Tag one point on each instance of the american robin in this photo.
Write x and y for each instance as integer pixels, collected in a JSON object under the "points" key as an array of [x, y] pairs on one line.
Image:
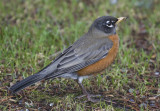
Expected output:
{"points": [[88, 56]]}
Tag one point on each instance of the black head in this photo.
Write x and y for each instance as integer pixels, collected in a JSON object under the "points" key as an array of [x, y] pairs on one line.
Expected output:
{"points": [[106, 24]]}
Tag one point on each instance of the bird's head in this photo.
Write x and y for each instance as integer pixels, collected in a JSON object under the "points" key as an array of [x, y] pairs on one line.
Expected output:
{"points": [[107, 24]]}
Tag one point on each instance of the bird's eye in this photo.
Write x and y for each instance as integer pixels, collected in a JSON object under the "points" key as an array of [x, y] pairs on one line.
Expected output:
{"points": [[109, 24]]}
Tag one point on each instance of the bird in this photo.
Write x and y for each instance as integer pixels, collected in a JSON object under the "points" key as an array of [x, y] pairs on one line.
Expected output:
{"points": [[91, 54]]}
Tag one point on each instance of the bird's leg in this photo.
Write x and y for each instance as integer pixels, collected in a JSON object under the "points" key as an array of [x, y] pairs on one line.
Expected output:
{"points": [[89, 96]]}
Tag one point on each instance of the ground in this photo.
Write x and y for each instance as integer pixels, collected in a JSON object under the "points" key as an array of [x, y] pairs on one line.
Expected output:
{"points": [[33, 32]]}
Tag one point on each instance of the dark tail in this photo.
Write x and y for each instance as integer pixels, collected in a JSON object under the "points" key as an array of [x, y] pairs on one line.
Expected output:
{"points": [[33, 79], [26, 82]]}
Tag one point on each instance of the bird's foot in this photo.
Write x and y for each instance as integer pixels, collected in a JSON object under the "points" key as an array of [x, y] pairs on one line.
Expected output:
{"points": [[90, 97]]}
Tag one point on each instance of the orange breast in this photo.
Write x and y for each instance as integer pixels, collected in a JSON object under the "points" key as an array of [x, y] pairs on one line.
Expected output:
{"points": [[103, 63]]}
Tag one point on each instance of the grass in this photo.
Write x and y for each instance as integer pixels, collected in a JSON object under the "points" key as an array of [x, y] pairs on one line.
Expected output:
{"points": [[31, 31]]}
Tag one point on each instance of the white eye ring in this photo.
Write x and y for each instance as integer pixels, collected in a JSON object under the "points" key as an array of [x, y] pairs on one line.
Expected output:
{"points": [[107, 21], [109, 25]]}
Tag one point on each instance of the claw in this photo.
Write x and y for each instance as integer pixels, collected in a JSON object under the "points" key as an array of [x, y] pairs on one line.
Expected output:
{"points": [[90, 97]]}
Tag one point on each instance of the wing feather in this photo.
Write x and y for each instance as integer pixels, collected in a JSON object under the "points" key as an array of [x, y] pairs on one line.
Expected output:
{"points": [[80, 59], [76, 58]]}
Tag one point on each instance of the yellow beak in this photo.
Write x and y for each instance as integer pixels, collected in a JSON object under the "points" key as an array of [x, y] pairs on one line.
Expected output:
{"points": [[120, 19]]}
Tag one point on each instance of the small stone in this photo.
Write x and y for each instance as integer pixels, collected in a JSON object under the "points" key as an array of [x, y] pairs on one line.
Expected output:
{"points": [[131, 100], [131, 90], [51, 104], [156, 73]]}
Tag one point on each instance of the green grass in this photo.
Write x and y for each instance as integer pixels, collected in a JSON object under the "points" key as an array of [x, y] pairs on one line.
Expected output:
{"points": [[31, 31]]}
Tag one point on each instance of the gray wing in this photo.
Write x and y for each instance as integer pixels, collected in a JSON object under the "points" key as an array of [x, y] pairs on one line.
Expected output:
{"points": [[80, 56]]}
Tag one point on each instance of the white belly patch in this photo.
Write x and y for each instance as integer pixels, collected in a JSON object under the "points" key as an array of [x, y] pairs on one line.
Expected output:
{"points": [[73, 76]]}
